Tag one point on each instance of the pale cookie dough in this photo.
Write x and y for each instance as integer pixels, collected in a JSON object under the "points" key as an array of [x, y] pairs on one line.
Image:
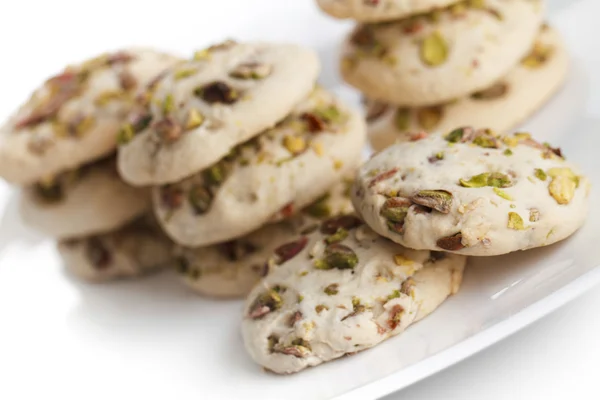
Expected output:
{"points": [[231, 269], [472, 192], [74, 117], [206, 106], [501, 107], [379, 10], [91, 199], [136, 249], [341, 290], [283, 169], [443, 55]]}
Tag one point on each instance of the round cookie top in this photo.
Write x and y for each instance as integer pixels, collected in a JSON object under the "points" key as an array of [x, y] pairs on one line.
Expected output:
{"points": [[88, 200], [339, 290], [204, 107], [232, 268], [267, 178], [500, 107], [472, 192], [379, 10], [439, 56], [74, 117], [138, 248]]}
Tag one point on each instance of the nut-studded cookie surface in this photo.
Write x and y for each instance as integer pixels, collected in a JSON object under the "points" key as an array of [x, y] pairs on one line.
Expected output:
{"points": [[344, 289], [500, 107], [472, 192], [379, 10], [267, 178], [204, 107], [74, 117], [232, 268], [133, 250], [443, 55], [87, 200]]}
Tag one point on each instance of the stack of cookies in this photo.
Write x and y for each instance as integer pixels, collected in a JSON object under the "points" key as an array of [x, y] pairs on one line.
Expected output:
{"points": [[437, 64], [60, 148], [234, 143]]}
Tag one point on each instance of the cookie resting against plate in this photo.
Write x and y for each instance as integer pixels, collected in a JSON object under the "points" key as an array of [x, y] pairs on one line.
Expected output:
{"points": [[342, 289], [138, 248], [472, 192], [84, 201], [74, 117]]}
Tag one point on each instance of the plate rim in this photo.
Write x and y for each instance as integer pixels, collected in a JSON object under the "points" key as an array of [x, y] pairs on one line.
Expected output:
{"points": [[476, 343]]}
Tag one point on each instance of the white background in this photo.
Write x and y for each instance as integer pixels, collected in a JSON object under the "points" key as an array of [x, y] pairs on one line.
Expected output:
{"points": [[556, 358]]}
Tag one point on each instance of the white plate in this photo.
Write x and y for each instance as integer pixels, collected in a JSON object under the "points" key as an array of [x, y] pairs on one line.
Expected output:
{"points": [[153, 339]]}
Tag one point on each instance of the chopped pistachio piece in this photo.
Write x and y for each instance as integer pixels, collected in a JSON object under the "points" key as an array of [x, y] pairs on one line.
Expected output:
{"points": [[515, 222], [477, 181], [265, 303], [217, 92], [540, 174], [126, 134], [340, 256], [502, 194], [168, 104], [566, 172], [562, 189], [215, 174], [320, 308], [534, 215], [200, 199], [287, 251], [538, 56], [202, 55], [194, 119], [434, 50], [508, 152], [439, 200], [486, 141], [494, 179], [251, 70], [337, 237], [400, 260], [184, 73], [456, 135], [320, 208], [395, 294], [395, 209], [294, 144], [451, 243], [332, 289]]}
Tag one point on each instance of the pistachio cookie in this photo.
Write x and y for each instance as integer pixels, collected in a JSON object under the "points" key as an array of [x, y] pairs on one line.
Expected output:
{"points": [[231, 269], [283, 169], [88, 200], [443, 55], [502, 106], [206, 106], [340, 294], [379, 10], [138, 248], [75, 116], [472, 192]]}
